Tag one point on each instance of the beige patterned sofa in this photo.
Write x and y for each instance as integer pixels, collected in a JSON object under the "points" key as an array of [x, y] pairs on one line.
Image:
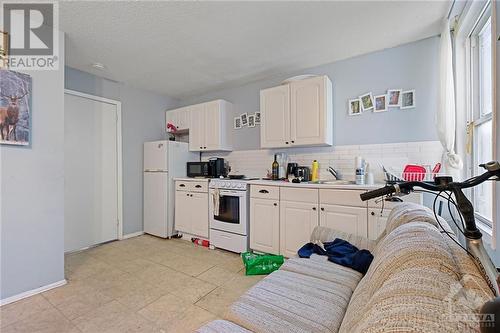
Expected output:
{"points": [[419, 281]]}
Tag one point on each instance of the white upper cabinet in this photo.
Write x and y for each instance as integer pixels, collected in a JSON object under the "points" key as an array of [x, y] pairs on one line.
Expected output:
{"points": [[311, 121], [297, 114], [180, 118], [209, 124], [275, 116]]}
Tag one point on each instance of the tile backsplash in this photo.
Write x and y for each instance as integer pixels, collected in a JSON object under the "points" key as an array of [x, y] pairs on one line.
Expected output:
{"points": [[256, 163]]}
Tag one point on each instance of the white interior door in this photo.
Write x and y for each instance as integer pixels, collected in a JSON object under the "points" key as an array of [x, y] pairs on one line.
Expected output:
{"points": [[91, 172]]}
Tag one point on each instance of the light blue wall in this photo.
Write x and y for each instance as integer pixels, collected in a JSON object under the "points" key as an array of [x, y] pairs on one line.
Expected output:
{"points": [[411, 66], [142, 120], [32, 192]]}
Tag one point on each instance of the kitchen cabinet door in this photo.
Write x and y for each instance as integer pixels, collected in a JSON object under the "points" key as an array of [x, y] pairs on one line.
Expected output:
{"points": [[275, 117], [199, 214], [197, 130], [311, 121], [212, 126], [343, 218], [182, 212], [377, 221], [171, 116], [183, 118], [297, 221], [264, 225]]}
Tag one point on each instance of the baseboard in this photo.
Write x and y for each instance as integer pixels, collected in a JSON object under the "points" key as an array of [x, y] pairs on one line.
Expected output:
{"points": [[134, 234], [33, 292]]}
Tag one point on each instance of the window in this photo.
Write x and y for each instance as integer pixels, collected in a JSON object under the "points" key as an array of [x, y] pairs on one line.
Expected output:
{"points": [[480, 117]]}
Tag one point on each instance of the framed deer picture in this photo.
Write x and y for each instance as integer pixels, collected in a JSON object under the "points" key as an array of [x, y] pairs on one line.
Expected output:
{"points": [[15, 108]]}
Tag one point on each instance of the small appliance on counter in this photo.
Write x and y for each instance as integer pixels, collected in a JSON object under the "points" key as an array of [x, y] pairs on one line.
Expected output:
{"points": [[214, 168], [291, 169], [303, 174]]}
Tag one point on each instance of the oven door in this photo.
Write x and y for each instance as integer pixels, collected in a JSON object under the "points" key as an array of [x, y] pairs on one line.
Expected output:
{"points": [[232, 213]]}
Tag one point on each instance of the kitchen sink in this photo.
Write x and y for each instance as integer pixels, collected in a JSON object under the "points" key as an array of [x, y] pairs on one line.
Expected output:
{"points": [[336, 182]]}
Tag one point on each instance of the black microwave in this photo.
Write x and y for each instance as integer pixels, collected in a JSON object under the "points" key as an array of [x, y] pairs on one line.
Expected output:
{"points": [[198, 169], [214, 168]]}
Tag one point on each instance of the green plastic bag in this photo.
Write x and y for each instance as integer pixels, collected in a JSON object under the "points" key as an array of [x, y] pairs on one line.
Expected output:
{"points": [[260, 264]]}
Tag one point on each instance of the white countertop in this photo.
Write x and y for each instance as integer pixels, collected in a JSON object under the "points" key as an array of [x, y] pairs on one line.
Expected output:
{"points": [[191, 179], [315, 185]]}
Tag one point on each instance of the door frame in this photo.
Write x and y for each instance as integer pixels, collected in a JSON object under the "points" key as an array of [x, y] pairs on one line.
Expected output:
{"points": [[119, 158]]}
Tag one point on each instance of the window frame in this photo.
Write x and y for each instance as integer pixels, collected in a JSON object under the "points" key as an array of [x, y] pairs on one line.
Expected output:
{"points": [[475, 118]]}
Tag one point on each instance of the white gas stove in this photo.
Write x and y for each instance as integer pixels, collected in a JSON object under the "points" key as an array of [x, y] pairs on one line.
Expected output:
{"points": [[229, 214]]}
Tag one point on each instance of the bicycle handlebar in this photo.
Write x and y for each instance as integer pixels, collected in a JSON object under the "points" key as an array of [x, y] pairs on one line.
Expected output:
{"points": [[440, 184]]}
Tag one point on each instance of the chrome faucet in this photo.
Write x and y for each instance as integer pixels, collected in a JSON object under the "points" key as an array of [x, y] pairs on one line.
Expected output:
{"points": [[334, 173]]}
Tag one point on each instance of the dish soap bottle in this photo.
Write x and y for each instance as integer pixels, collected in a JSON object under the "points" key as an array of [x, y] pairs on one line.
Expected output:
{"points": [[315, 172], [275, 169]]}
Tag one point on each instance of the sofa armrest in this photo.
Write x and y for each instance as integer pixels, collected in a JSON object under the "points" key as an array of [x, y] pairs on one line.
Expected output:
{"points": [[325, 234]]}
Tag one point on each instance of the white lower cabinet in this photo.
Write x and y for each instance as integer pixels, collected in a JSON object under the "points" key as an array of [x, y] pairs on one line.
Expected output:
{"points": [[264, 225], [191, 208], [199, 218], [377, 220], [344, 218], [297, 221], [283, 218]]}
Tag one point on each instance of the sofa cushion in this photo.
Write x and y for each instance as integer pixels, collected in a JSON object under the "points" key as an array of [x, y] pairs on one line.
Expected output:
{"points": [[319, 267], [221, 326], [290, 302]]}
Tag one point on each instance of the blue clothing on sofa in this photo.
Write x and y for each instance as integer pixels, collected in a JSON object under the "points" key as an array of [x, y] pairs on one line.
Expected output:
{"points": [[340, 252]]}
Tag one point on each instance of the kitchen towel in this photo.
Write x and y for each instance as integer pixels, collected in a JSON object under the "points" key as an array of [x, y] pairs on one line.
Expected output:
{"points": [[340, 252], [216, 201]]}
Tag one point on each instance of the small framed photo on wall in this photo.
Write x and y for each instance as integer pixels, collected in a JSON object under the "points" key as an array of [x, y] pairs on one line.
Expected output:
{"points": [[257, 118], [244, 119], [366, 101], [237, 122], [354, 107], [407, 99], [251, 120], [394, 98], [380, 103]]}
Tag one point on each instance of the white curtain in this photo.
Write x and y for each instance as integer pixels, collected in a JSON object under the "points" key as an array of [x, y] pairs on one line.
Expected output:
{"points": [[446, 113]]}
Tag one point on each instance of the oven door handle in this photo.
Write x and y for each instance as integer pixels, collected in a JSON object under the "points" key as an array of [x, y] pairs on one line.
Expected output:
{"points": [[232, 193]]}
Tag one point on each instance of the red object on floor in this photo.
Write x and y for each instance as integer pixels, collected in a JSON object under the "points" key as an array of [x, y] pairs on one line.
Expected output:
{"points": [[199, 241]]}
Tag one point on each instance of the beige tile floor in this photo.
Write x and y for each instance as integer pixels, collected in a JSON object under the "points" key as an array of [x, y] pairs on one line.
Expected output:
{"points": [[143, 284]]}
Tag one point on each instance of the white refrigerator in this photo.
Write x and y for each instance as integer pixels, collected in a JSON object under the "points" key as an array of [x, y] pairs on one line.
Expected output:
{"points": [[163, 161]]}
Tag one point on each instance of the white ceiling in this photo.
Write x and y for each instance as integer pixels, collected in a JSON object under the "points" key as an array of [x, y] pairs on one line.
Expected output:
{"points": [[181, 49]]}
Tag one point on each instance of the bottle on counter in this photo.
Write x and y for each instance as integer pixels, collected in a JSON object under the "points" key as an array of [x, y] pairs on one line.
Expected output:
{"points": [[275, 169], [315, 172], [360, 170]]}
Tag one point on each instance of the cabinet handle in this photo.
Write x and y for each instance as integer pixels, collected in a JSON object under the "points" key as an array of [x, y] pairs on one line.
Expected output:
{"points": [[191, 195], [293, 141], [286, 142], [373, 213], [198, 186], [314, 208], [322, 209], [204, 147], [187, 194], [263, 191], [275, 204], [182, 185], [201, 147]]}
